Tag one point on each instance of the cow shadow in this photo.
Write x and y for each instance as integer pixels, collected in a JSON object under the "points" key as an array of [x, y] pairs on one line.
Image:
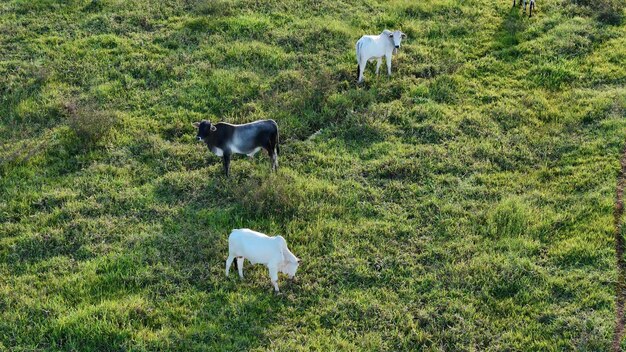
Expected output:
{"points": [[508, 35]]}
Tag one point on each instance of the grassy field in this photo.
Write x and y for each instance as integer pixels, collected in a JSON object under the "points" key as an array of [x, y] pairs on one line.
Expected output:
{"points": [[465, 203]]}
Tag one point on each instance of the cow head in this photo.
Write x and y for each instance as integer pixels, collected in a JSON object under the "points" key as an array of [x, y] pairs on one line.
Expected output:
{"points": [[290, 266], [204, 129], [397, 37]]}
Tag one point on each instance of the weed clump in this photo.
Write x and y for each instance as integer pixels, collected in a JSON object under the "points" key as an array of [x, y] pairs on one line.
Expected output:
{"points": [[280, 194], [211, 7], [89, 123], [510, 218], [607, 11], [610, 11]]}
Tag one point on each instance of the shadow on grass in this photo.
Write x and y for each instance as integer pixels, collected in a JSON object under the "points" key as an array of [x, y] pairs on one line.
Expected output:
{"points": [[620, 289], [507, 36]]}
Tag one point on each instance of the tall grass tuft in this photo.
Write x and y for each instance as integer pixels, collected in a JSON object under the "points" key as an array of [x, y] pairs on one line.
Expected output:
{"points": [[89, 123], [278, 195], [607, 11], [510, 218]]}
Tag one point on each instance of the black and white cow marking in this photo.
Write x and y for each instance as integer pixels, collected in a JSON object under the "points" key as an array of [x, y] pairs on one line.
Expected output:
{"points": [[224, 139]]}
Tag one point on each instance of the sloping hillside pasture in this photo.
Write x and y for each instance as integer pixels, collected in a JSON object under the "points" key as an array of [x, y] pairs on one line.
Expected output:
{"points": [[463, 204]]}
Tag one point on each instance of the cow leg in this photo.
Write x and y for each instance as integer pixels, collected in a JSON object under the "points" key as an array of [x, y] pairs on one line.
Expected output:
{"points": [[271, 152], [361, 70], [240, 266], [274, 277], [388, 57], [273, 159], [513, 3], [226, 160], [274, 151], [532, 6], [524, 1], [229, 262], [378, 63], [273, 156]]}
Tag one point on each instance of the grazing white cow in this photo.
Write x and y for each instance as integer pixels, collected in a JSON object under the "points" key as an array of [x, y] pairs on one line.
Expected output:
{"points": [[261, 249], [375, 47]]}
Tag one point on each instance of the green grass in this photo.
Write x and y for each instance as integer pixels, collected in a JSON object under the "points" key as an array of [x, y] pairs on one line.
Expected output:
{"points": [[463, 204]]}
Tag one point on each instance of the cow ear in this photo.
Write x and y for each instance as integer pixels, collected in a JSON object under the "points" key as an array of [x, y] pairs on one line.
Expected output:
{"points": [[391, 35], [403, 35], [298, 260], [196, 124], [213, 128]]}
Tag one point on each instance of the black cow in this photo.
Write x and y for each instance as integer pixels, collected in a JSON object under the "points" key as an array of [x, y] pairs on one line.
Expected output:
{"points": [[224, 139]]}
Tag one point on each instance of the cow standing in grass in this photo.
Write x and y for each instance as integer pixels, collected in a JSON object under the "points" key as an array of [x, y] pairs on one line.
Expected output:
{"points": [[224, 139], [371, 47]]}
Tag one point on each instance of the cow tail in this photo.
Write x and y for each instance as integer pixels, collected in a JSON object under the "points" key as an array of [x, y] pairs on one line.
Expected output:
{"points": [[275, 139]]}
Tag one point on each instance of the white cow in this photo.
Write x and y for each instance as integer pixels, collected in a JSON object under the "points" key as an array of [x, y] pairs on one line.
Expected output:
{"points": [[375, 47], [262, 249]]}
